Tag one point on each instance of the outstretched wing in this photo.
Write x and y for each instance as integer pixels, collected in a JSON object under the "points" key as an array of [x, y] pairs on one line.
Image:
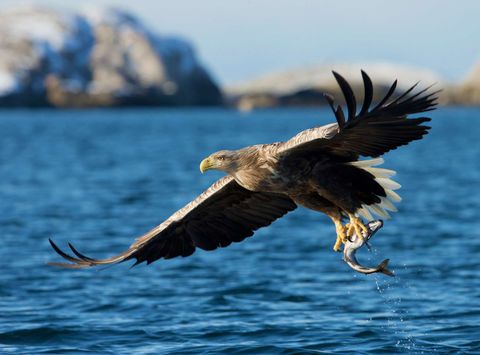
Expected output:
{"points": [[224, 213], [372, 131]]}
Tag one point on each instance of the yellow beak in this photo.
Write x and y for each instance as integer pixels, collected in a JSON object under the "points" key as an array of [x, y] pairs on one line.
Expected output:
{"points": [[206, 164]]}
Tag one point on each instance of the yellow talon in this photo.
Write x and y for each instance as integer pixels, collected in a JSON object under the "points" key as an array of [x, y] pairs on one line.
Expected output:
{"points": [[355, 226]]}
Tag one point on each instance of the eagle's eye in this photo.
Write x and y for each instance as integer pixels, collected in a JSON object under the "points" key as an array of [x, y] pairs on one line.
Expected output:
{"points": [[221, 157]]}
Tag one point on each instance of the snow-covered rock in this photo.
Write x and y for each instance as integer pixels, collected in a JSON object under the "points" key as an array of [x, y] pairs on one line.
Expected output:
{"points": [[101, 57]]}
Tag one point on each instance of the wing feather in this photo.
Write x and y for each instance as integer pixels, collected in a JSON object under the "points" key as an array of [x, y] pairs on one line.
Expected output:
{"points": [[347, 94], [374, 131], [224, 213], [390, 93], [368, 94]]}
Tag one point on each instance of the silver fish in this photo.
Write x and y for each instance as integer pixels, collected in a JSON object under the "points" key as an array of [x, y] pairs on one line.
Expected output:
{"points": [[355, 242]]}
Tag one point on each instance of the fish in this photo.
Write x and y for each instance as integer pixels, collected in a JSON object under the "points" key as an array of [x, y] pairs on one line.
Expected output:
{"points": [[355, 242]]}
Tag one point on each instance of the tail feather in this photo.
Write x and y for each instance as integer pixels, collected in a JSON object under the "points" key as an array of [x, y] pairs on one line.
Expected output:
{"points": [[379, 211], [383, 268], [387, 204], [367, 163], [383, 178], [393, 196], [388, 183], [380, 172], [365, 213]]}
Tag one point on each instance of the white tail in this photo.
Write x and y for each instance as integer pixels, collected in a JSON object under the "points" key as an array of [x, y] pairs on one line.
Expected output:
{"points": [[382, 176]]}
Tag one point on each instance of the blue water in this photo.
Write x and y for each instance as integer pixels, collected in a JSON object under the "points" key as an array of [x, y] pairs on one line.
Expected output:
{"points": [[100, 178]]}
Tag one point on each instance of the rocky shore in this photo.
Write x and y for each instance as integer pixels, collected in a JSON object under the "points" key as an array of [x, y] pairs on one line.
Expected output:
{"points": [[465, 93]]}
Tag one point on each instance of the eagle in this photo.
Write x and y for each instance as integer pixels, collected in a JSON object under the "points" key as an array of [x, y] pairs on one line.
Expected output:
{"points": [[331, 169]]}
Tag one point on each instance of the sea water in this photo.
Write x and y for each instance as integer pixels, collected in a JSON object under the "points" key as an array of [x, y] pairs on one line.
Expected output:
{"points": [[100, 178]]}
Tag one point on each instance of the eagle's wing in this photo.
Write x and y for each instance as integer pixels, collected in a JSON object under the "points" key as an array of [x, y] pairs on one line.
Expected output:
{"points": [[370, 132], [224, 213]]}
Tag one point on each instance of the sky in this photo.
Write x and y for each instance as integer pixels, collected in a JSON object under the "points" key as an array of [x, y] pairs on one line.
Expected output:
{"points": [[241, 39]]}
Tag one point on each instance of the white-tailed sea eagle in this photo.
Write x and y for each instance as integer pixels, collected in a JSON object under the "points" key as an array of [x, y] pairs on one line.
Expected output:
{"points": [[320, 168]]}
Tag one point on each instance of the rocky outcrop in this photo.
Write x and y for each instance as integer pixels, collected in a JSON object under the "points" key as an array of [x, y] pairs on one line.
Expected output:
{"points": [[306, 86], [100, 58], [467, 92]]}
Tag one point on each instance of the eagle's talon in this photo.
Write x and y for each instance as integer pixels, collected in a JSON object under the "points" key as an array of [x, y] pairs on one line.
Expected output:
{"points": [[355, 226]]}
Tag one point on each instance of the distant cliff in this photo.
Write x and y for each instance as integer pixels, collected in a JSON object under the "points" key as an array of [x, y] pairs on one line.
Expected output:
{"points": [[306, 86], [467, 92], [101, 58]]}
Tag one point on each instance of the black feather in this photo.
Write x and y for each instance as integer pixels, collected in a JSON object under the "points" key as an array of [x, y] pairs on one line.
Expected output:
{"points": [[62, 253], [348, 94], [387, 96], [331, 101], [405, 93], [338, 111], [80, 255], [368, 95], [201, 239], [340, 116]]}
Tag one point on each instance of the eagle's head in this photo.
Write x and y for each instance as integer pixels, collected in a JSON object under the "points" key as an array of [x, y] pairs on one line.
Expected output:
{"points": [[224, 160]]}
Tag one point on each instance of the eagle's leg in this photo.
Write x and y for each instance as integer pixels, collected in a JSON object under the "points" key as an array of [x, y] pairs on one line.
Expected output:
{"points": [[339, 228], [355, 226], [341, 236], [314, 201]]}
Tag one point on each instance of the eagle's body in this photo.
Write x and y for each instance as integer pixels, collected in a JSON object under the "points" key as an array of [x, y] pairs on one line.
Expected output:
{"points": [[320, 168]]}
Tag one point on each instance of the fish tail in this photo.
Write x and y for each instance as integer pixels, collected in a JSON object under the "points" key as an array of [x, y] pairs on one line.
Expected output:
{"points": [[383, 268]]}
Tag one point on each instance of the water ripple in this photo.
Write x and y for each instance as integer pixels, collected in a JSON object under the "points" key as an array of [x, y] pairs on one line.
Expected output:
{"points": [[100, 178]]}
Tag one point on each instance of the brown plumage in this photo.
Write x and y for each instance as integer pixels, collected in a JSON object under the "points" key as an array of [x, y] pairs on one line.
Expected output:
{"points": [[319, 168]]}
